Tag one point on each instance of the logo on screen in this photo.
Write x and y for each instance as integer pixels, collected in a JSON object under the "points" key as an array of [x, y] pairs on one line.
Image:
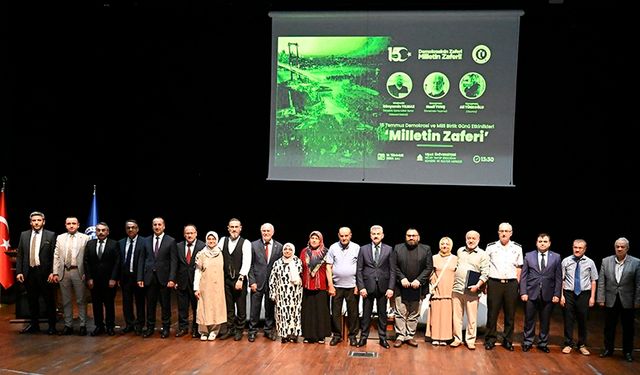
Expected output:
{"points": [[398, 54]]}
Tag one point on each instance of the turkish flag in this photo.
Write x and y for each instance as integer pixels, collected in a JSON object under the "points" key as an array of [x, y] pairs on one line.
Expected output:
{"points": [[6, 274]]}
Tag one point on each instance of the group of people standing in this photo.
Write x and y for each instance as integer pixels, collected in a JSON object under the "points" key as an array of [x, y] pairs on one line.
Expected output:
{"points": [[304, 295]]}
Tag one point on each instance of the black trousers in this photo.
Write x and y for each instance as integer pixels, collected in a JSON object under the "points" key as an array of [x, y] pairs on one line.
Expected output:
{"points": [[576, 309], [186, 299], [157, 291], [256, 307], [543, 310], [37, 285], [501, 297], [104, 307], [377, 296], [612, 315], [236, 301], [344, 294], [133, 295]]}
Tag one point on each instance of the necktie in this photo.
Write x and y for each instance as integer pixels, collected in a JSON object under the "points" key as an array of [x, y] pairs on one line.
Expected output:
{"points": [[542, 263], [266, 251], [376, 254], [100, 249], [157, 246], [129, 255], [68, 261], [188, 253], [32, 250], [576, 278]]}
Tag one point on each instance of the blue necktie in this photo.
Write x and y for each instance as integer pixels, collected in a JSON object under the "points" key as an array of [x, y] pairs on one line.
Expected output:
{"points": [[576, 278]]}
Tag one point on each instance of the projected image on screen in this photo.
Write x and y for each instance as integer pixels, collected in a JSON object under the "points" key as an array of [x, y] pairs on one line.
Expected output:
{"points": [[327, 103], [372, 97]]}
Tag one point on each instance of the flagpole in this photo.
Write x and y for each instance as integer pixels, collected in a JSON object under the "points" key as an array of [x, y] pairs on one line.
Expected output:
{"points": [[4, 184]]}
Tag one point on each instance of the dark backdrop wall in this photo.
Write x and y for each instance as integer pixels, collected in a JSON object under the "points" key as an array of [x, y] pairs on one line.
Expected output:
{"points": [[92, 84]]}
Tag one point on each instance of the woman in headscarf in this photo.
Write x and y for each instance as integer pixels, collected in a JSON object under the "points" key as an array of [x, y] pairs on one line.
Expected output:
{"points": [[285, 289], [318, 285], [440, 318], [208, 285]]}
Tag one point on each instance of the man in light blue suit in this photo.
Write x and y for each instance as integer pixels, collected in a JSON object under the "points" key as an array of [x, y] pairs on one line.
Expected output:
{"points": [[540, 290]]}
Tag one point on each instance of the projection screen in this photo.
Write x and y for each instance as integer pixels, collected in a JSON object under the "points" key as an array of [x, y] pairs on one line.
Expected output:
{"points": [[394, 97]]}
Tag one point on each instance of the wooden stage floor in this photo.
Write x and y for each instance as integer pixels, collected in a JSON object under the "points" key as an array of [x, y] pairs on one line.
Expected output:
{"points": [[130, 354]]}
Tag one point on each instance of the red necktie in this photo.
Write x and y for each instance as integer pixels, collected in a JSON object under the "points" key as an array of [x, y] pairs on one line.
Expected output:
{"points": [[189, 253], [266, 251]]}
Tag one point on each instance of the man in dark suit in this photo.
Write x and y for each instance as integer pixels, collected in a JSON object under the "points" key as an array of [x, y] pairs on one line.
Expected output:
{"points": [[413, 264], [34, 268], [130, 249], [540, 289], [376, 280], [102, 270], [264, 252], [157, 273], [187, 251], [619, 293]]}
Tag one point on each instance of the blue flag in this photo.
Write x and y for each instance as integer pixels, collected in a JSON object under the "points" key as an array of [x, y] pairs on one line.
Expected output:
{"points": [[93, 217]]}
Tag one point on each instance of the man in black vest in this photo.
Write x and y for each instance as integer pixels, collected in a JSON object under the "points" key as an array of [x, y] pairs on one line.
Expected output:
{"points": [[237, 262]]}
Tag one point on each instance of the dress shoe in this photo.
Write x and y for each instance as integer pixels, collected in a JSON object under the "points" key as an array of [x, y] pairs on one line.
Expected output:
{"points": [[237, 336], [628, 357], [52, 331], [82, 331], [398, 343], [252, 337], [111, 332], [30, 328], [284, 340], [455, 343], [164, 333], [353, 341], [412, 342], [508, 345], [543, 349], [335, 340], [293, 339], [489, 345], [526, 347], [182, 332], [97, 331], [383, 343], [138, 331], [195, 334], [66, 331], [363, 342], [225, 335], [147, 332], [606, 353], [127, 329]]}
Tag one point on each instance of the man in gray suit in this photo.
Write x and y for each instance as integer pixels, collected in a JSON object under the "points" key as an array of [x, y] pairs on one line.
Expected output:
{"points": [[34, 265], [264, 252], [619, 291], [375, 279]]}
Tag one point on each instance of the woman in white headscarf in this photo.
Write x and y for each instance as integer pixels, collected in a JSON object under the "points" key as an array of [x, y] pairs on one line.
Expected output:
{"points": [[285, 288], [208, 285]]}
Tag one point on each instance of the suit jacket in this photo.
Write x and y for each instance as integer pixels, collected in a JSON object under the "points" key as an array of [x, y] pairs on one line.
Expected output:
{"points": [[550, 278], [629, 286], [260, 268], [46, 251], [369, 274], [105, 268], [125, 275], [400, 259], [165, 264], [186, 272], [61, 252]]}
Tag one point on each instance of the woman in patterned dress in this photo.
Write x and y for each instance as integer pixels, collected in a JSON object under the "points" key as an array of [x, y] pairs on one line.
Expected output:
{"points": [[285, 289]]}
